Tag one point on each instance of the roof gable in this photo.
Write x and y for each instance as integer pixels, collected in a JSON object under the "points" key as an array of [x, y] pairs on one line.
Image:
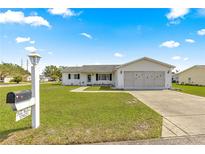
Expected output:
{"points": [[148, 59]]}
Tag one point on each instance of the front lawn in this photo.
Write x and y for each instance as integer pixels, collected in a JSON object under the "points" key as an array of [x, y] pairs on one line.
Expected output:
{"points": [[77, 118], [195, 90]]}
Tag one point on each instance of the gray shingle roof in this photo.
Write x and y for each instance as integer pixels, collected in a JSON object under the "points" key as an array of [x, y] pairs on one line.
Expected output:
{"points": [[90, 68], [195, 66], [108, 68], [200, 66]]}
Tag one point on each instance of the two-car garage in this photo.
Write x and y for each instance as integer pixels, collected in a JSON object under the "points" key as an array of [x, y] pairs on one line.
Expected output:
{"points": [[144, 73], [144, 79]]}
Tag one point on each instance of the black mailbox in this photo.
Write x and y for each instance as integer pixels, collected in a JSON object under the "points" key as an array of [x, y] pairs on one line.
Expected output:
{"points": [[19, 96]]}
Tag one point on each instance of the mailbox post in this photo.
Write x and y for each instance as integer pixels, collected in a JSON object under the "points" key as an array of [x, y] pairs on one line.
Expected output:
{"points": [[35, 110]]}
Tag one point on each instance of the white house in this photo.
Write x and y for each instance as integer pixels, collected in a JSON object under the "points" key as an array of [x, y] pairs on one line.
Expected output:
{"points": [[144, 73], [43, 78], [7, 79]]}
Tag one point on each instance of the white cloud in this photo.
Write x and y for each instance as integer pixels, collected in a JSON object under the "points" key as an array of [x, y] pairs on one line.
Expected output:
{"points": [[189, 40], [50, 53], [86, 35], [179, 58], [176, 58], [176, 14], [32, 42], [117, 54], [186, 58], [201, 32], [170, 44], [22, 39], [19, 18], [174, 22], [63, 11], [30, 49]]}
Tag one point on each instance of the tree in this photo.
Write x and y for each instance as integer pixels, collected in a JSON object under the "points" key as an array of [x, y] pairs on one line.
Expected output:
{"points": [[9, 69], [53, 72], [17, 79]]}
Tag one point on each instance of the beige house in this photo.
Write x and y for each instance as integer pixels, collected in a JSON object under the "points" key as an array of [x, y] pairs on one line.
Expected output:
{"points": [[194, 75]]}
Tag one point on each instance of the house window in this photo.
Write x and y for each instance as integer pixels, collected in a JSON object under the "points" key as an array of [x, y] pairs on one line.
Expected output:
{"points": [[69, 77], [189, 80], [104, 77], [76, 76]]}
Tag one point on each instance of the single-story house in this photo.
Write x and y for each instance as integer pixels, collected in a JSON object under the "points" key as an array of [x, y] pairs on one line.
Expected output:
{"points": [[43, 78], [7, 79], [28, 78], [194, 75], [144, 73]]}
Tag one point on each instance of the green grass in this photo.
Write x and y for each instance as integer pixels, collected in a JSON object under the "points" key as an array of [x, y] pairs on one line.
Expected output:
{"points": [[77, 118], [97, 88], [195, 90]]}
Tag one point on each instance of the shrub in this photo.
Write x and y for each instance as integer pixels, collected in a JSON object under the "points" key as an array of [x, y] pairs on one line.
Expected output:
{"points": [[17, 79]]}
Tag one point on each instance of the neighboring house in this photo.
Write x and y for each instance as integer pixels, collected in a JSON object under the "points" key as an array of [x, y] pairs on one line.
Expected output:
{"points": [[144, 73], [194, 75], [43, 78], [7, 79], [28, 78]]}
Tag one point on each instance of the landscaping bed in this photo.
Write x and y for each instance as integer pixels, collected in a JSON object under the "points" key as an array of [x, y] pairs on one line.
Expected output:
{"points": [[98, 88]]}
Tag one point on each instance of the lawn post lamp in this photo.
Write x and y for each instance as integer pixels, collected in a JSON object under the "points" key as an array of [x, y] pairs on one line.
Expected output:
{"points": [[35, 110]]}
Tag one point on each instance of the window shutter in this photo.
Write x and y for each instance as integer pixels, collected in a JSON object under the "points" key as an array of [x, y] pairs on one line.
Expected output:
{"points": [[110, 77], [68, 76], [96, 77], [78, 76]]}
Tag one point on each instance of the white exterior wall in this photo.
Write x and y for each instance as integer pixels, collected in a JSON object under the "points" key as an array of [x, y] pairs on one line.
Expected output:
{"points": [[143, 65], [72, 81], [7, 79], [83, 79]]}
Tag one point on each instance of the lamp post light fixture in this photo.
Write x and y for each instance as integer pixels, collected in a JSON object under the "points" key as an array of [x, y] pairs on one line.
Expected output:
{"points": [[34, 58], [35, 110]]}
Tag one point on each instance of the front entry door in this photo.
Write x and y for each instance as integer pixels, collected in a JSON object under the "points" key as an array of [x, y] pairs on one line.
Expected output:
{"points": [[89, 78]]}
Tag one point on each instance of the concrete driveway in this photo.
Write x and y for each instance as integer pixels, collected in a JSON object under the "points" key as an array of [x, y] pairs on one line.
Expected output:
{"points": [[183, 114]]}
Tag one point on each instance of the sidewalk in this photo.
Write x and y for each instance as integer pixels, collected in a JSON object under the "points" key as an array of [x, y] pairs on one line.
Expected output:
{"points": [[183, 140], [82, 89], [13, 85]]}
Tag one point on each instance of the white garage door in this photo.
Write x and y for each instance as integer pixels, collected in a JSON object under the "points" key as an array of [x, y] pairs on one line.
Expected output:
{"points": [[144, 79]]}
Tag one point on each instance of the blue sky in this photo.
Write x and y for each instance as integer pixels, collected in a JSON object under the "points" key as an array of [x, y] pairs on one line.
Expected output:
{"points": [[103, 36]]}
